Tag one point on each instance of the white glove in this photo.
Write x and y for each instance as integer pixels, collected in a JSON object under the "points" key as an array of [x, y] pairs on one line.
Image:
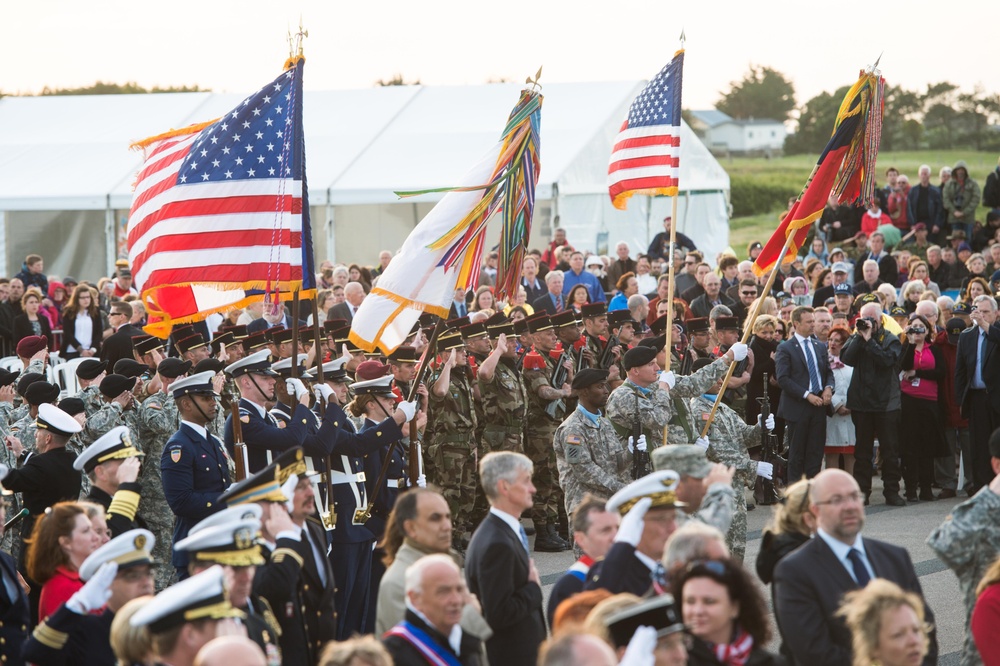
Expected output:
{"points": [[769, 423], [295, 387], [667, 377], [632, 445], [640, 649], [765, 470], [323, 393], [421, 481], [409, 409], [702, 442], [96, 592], [630, 529], [288, 490], [739, 351]]}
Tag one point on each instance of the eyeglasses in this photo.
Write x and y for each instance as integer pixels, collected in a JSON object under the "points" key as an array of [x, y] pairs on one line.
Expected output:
{"points": [[712, 567], [748, 293], [840, 500]]}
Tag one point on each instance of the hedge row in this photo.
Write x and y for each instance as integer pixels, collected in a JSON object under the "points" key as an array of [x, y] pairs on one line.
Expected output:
{"points": [[753, 195]]}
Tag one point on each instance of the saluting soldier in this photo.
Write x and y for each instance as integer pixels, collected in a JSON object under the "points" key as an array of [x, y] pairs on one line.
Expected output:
{"points": [[504, 398], [233, 545], [119, 408], [112, 463], [89, 375], [194, 466], [451, 429], [36, 394], [540, 426], [590, 456], [728, 440]]}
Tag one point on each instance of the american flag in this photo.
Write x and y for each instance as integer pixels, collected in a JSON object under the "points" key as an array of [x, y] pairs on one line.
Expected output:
{"points": [[646, 155], [220, 211]]}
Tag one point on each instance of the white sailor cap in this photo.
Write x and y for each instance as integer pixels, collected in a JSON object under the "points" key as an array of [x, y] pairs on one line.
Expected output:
{"points": [[284, 367], [56, 421], [380, 386], [258, 363], [661, 487], [199, 383], [233, 513], [232, 544], [202, 596], [116, 444], [129, 549], [333, 371]]}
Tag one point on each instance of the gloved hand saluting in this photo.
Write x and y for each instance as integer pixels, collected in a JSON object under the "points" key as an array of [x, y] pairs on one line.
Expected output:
{"points": [[640, 649], [630, 530], [96, 592], [640, 445], [765, 470]]}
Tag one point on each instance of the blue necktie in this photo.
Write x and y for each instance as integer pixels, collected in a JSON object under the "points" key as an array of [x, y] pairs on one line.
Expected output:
{"points": [[813, 373], [860, 570], [524, 539]]}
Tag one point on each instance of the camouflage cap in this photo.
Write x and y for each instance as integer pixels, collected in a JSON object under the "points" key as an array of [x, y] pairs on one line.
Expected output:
{"points": [[685, 459]]}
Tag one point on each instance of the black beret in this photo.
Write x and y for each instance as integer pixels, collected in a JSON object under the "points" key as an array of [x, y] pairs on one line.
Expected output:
{"points": [[72, 406], [206, 364], [26, 380], [589, 377], [40, 393], [638, 356], [129, 367], [113, 386], [7, 377], [173, 367], [90, 368], [657, 343]]}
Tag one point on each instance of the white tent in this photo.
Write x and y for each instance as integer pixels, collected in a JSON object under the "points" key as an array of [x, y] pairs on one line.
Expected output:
{"points": [[66, 171]]}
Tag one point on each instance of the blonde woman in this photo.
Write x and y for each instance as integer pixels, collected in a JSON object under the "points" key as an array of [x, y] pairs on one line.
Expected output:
{"points": [[132, 645], [887, 625]]}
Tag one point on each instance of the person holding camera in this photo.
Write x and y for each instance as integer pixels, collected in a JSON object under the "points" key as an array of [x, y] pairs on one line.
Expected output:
{"points": [[874, 400]]}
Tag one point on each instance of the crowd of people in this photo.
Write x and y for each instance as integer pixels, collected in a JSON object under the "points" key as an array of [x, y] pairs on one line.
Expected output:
{"points": [[257, 489]]}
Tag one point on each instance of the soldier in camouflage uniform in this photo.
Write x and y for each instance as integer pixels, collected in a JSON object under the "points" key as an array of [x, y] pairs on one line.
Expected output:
{"points": [[451, 449], [158, 420], [595, 326], [968, 542], [659, 397], [502, 394], [38, 393], [728, 439], [706, 488], [589, 455], [89, 374], [477, 348], [119, 409], [539, 369]]}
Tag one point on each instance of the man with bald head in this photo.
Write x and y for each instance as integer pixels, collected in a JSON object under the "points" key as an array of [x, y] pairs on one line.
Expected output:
{"points": [[810, 583], [230, 651], [354, 294]]}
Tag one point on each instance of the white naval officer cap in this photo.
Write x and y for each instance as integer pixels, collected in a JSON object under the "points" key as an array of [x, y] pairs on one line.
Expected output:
{"points": [[380, 386], [284, 367], [232, 544], [116, 444], [258, 363], [128, 549], [56, 421], [661, 487], [197, 383], [202, 596]]}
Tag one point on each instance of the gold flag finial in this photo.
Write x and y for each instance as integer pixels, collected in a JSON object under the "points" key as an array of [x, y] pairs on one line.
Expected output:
{"points": [[533, 82]]}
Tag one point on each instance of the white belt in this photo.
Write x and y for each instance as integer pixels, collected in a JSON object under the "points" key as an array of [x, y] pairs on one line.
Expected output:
{"points": [[337, 477], [395, 483]]}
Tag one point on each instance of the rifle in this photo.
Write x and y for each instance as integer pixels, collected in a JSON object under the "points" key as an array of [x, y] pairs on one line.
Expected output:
{"points": [[607, 357], [765, 491], [557, 379], [239, 447], [414, 452], [580, 362], [640, 459]]}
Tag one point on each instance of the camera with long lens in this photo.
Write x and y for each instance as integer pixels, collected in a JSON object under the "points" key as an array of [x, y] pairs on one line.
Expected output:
{"points": [[863, 324]]}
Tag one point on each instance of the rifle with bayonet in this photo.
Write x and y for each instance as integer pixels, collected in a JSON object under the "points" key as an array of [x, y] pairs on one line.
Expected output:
{"points": [[640, 459], [765, 491], [558, 378], [242, 463], [607, 355]]}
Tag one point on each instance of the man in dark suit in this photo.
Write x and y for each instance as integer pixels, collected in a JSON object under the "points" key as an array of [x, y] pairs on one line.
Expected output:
{"points": [[803, 369], [552, 301], [354, 294], [977, 366], [810, 583], [702, 305], [497, 565], [888, 270], [119, 344]]}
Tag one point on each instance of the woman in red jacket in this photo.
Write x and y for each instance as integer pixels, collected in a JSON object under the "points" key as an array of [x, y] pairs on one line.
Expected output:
{"points": [[63, 537]]}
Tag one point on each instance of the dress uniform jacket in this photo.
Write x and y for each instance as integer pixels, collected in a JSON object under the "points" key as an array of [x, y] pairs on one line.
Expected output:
{"points": [[43, 480], [66, 637], [620, 571], [279, 581], [123, 517], [15, 614], [195, 472], [394, 483], [317, 589], [262, 626]]}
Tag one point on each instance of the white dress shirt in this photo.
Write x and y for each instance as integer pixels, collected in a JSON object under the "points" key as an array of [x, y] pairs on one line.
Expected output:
{"points": [[841, 549]]}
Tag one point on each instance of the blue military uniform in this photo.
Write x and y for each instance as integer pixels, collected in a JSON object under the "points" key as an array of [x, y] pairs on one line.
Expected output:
{"points": [[15, 612]]}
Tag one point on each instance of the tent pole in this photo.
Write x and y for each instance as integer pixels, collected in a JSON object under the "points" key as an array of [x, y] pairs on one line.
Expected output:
{"points": [[331, 239], [110, 237]]}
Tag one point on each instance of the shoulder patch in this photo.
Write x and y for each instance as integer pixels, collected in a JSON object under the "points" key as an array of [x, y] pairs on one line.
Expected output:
{"points": [[573, 439], [245, 418], [175, 455], [154, 405], [574, 450]]}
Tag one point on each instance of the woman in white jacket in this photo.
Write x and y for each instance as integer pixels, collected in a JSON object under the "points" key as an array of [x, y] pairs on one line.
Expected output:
{"points": [[839, 427]]}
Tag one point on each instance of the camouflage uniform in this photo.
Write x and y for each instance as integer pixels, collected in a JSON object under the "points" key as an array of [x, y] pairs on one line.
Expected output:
{"points": [[504, 409], [158, 420], [968, 542], [18, 413], [730, 437], [6, 410], [538, 446], [24, 429], [590, 458], [451, 450], [92, 399], [717, 508]]}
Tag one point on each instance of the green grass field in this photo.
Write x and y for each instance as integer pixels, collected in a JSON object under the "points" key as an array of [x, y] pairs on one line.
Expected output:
{"points": [[791, 173]]}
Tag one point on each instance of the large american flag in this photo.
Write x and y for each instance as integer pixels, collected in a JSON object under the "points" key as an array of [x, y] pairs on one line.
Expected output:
{"points": [[220, 212], [646, 155]]}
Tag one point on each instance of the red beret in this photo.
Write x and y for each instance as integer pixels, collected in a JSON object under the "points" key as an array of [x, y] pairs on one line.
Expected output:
{"points": [[31, 345], [369, 370]]}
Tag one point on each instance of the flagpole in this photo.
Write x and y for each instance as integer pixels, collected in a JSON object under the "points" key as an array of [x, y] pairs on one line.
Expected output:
{"points": [[668, 345], [748, 329]]}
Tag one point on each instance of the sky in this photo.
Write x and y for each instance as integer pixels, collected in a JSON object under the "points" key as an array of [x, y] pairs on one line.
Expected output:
{"points": [[232, 46]]}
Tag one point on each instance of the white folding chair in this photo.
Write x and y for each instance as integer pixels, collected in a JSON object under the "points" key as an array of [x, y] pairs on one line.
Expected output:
{"points": [[64, 376], [11, 364]]}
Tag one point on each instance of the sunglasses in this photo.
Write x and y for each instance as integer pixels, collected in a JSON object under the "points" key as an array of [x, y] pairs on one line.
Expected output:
{"points": [[712, 567]]}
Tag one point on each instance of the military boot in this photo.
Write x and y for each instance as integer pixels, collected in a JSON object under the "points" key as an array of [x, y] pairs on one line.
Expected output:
{"points": [[546, 540]]}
